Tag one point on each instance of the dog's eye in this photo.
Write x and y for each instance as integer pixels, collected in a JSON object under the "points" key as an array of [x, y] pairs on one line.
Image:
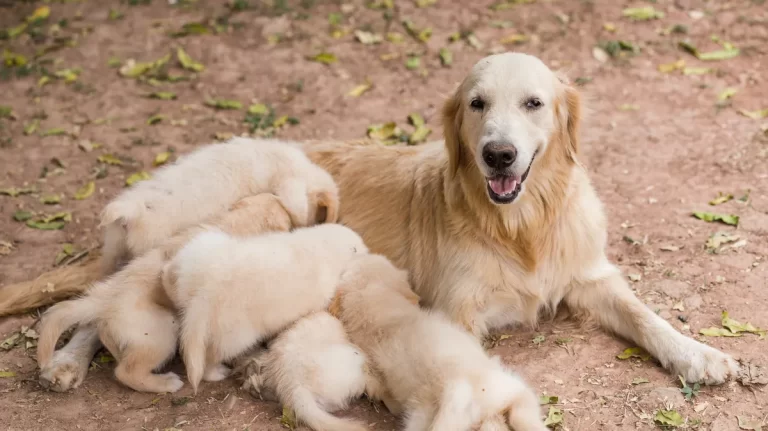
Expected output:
{"points": [[477, 104], [533, 103]]}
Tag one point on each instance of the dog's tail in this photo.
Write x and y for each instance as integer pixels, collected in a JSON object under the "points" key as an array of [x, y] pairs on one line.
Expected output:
{"points": [[194, 339], [61, 317], [309, 411], [116, 218]]}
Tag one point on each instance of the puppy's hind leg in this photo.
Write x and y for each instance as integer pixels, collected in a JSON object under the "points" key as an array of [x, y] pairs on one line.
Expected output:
{"points": [[418, 419], [69, 365]]}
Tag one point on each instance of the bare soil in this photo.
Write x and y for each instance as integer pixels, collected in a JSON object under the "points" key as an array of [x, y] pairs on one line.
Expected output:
{"points": [[659, 146]]}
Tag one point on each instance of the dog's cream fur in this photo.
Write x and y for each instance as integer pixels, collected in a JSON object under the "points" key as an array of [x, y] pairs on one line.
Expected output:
{"points": [[234, 293], [435, 374], [487, 265], [206, 182], [130, 310], [312, 368]]}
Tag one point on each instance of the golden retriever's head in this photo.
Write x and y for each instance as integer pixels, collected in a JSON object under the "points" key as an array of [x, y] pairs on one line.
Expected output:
{"points": [[507, 114]]}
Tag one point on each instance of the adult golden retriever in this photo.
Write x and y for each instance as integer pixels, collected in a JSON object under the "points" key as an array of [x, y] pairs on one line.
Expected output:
{"points": [[498, 223]]}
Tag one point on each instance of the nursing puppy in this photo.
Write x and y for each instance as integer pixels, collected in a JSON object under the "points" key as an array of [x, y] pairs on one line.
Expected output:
{"points": [[312, 368], [435, 374], [207, 182], [134, 318], [233, 293]]}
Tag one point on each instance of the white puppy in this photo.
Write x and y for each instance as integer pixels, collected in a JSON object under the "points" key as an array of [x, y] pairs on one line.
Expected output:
{"points": [[130, 310], [434, 372], [234, 293], [312, 368], [206, 182]]}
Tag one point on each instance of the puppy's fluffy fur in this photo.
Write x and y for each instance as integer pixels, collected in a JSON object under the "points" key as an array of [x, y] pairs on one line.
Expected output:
{"points": [[234, 293], [207, 182], [312, 368], [130, 309], [434, 373]]}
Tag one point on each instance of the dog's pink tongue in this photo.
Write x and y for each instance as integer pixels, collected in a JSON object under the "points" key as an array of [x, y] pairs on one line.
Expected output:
{"points": [[502, 185]]}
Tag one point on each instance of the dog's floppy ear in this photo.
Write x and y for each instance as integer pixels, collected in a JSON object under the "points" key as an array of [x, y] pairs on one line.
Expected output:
{"points": [[572, 104], [452, 130], [327, 208]]}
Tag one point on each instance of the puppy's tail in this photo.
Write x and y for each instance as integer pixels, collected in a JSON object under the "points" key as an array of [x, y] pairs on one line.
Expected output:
{"points": [[116, 218], [61, 317], [455, 411], [309, 411], [194, 340], [508, 394]]}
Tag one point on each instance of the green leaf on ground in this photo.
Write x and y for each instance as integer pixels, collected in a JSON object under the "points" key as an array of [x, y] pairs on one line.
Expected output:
{"points": [[645, 13], [446, 57], [186, 61], [162, 95], [634, 352], [6, 374], [155, 119], [224, 104], [110, 159], [50, 199], [413, 63], [324, 57], [554, 417], [728, 219], [668, 418], [288, 419], [22, 215], [548, 399], [639, 381]]}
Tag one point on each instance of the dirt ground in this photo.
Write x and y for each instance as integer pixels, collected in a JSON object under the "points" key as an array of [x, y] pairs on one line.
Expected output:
{"points": [[659, 145]]}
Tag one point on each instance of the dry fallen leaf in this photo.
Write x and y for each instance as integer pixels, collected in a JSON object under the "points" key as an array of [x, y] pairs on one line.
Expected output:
{"points": [[85, 191], [634, 352], [135, 178], [360, 89]]}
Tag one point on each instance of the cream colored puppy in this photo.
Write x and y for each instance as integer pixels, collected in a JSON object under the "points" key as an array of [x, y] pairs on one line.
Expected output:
{"points": [[312, 368], [207, 182], [234, 293], [135, 320], [435, 374]]}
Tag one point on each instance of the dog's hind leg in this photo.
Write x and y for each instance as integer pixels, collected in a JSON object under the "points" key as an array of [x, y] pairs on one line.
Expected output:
{"points": [[69, 365]]}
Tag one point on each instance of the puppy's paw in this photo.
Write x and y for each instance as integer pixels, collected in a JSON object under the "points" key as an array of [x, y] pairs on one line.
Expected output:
{"points": [[705, 364], [171, 382], [215, 373], [66, 371]]}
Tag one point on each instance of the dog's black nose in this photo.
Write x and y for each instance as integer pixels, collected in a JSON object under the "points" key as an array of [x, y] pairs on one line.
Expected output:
{"points": [[499, 156]]}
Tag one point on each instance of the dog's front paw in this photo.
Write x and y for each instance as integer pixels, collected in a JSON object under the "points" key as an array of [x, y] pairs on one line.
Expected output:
{"points": [[704, 364], [65, 372]]}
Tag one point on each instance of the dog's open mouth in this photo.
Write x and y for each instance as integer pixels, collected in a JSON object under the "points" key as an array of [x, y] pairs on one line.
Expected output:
{"points": [[504, 189]]}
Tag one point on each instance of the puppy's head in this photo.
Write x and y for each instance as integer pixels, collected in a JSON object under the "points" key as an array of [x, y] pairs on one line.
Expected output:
{"points": [[504, 116], [323, 196]]}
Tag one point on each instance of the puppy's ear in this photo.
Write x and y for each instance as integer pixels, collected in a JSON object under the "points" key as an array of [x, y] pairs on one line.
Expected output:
{"points": [[327, 207], [452, 115]]}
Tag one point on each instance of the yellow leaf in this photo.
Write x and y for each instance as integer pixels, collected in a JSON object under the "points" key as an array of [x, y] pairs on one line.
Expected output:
{"points": [[671, 67], [514, 38], [324, 57], [634, 352], [696, 70], [162, 158], [419, 135], [14, 60], [755, 115], [85, 191], [68, 75], [135, 178], [187, 62], [384, 132], [41, 13], [110, 160], [642, 13], [609, 27], [258, 109], [727, 94], [367, 38], [360, 89]]}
